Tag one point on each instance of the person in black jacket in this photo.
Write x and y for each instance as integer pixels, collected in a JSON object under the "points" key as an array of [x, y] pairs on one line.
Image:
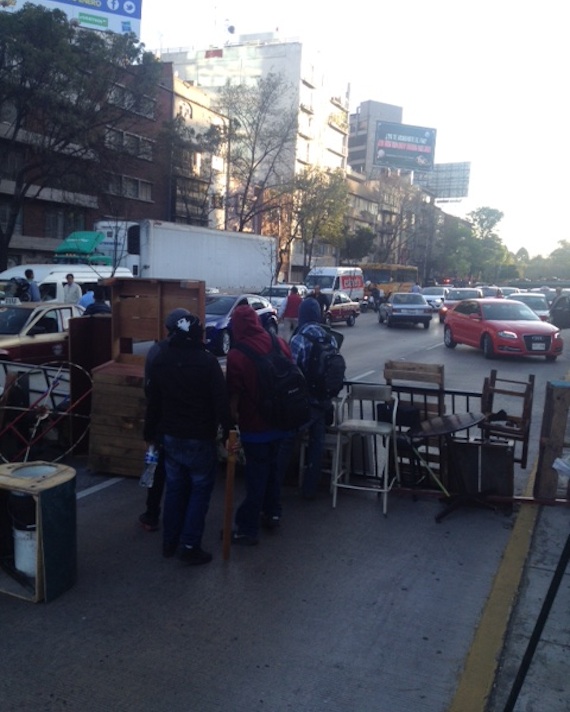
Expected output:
{"points": [[186, 401], [98, 305]]}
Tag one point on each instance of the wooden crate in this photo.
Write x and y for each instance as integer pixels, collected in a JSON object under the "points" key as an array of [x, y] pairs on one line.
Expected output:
{"points": [[140, 307]]}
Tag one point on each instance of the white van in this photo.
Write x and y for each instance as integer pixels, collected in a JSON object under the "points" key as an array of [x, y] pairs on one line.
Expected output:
{"points": [[345, 279], [51, 277]]}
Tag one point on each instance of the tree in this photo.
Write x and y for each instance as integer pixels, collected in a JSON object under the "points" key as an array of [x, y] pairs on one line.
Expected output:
{"points": [[484, 221], [192, 174], [316, 210], [62, 89], [262, 128], [357, 245]]}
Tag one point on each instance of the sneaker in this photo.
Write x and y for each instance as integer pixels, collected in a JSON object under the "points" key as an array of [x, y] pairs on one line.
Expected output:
{"points": [[244, 539], [194, 555], [149, 522], [270, 523]]}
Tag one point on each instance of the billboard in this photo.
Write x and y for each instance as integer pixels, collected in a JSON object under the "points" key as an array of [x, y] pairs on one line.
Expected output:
{"points": [[119, 16], [402, 146], [447, 181]]}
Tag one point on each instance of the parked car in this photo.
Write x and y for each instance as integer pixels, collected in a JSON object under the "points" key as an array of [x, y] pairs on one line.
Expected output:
{"points": [[434, 296], [35, 332], [454, 296], [342, 308], [491, 290], [509, 291], [501, 327], [405, 307], [537, 302], [219, 308], [277, 293], [560, 311]]}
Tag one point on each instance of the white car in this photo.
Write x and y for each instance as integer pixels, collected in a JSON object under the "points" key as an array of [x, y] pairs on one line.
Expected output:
{"points": [[537, 302], [277, 293], [434, 296]]}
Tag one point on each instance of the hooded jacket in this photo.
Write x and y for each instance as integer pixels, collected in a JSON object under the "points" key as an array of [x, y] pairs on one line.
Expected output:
{"points": [[241, 375]]}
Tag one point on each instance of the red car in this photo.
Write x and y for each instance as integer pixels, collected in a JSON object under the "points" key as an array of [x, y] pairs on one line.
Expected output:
{"points": [[501, 327]]}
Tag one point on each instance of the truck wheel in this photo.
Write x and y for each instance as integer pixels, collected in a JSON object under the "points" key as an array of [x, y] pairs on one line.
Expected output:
{"points": [[225, 343], [351, 321]]}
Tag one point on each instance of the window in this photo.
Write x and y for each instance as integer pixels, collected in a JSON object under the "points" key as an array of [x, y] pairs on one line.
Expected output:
{"points": [[130, 187], [4, 213], [60, 222], [132, 144]]}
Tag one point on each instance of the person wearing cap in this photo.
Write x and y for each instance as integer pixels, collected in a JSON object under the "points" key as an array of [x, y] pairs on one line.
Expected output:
{"points": [[260, 440], [186, 402]]}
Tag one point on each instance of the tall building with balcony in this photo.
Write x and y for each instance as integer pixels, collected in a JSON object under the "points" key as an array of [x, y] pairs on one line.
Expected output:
{"points": [[322, 105]]}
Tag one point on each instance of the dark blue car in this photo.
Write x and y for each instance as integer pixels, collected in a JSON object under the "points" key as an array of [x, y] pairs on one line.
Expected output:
{"points": [[219, 308]]}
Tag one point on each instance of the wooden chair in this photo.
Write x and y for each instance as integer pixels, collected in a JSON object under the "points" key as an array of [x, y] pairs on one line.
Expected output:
{"points": [[507, 405], [419, 386]]}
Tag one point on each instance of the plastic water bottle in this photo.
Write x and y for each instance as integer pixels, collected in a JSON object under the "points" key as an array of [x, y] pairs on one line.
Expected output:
{"points": [[150, 461]]}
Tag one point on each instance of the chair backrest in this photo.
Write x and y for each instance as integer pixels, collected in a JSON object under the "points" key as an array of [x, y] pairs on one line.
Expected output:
{"points": [[410, 380], [362, 400]]}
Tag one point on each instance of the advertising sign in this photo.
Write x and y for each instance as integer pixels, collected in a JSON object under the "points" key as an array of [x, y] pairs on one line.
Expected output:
{"points": [[119, 16], [402, 146], [447, 181]]}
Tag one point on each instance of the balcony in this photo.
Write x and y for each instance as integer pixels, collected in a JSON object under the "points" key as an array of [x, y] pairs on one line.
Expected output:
{"points": [[339, 123], [338, 101], [307, 108]]}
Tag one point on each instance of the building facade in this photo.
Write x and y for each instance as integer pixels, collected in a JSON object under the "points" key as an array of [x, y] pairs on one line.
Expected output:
{"points": [[362, 134]]}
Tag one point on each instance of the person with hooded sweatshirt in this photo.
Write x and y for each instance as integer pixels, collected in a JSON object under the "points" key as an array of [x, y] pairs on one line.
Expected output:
{"points": [[260, 440], [186, 402], [301, 348]]}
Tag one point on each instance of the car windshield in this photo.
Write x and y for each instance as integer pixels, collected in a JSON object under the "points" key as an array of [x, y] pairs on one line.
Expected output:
{"points": [[12, 319], [275, 292], [508, 312], [408, 299], [324, 281], [533, 301], [430, 291], [457, 294], [219, 305]]}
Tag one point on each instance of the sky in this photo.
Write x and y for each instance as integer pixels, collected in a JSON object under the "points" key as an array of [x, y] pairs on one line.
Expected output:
{"points": [[490, 76]]}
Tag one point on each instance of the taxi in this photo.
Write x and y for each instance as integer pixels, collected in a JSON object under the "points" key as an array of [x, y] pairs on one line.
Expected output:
{"points": [[35, 332]]}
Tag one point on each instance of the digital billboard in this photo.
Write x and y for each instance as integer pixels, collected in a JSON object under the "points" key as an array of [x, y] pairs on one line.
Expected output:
{"points": [[119, 16], [403, 146]]}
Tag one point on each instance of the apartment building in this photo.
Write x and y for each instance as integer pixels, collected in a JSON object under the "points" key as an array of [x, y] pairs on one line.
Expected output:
{"points": [[362, 133]]}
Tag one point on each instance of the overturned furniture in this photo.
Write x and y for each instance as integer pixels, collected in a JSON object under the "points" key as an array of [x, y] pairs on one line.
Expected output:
{"points": [[507, 405]]}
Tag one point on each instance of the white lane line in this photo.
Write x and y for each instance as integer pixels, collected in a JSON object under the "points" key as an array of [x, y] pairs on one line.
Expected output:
{"points": [[97, 488], [362, 375], [435, 346]]}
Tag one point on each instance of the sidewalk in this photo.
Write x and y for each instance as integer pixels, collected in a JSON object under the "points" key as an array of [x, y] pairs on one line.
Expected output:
{"points": [[342, 610]]}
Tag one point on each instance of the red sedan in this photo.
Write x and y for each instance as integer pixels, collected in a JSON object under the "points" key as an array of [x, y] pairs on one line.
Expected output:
{"points": [[501, 327]]}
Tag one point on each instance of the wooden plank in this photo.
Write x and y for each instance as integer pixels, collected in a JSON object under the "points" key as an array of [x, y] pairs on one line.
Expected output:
{"points": [[553, 431]]}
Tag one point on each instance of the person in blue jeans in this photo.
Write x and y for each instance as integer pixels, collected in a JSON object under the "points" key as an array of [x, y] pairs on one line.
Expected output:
{"points": [[310, 323], [261, 441], [186, 402]]}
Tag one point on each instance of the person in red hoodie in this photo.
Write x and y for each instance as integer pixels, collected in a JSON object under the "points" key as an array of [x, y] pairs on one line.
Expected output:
{"points": [[289, 312], [260, 440]]}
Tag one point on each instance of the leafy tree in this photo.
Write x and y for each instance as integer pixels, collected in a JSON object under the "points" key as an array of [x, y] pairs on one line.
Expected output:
{"points": [[316, 210], [61, 89], [261, 129], [484, 221], [357, 245]]}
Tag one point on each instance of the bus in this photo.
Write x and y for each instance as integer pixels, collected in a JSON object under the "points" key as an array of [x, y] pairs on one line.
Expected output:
{"points": [[389, 277]]}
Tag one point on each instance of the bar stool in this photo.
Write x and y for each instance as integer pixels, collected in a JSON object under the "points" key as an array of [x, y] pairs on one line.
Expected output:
{"points": [[378, 435]]}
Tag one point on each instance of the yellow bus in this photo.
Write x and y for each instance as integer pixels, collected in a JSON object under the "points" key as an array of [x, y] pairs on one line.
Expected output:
{"points": [[389, 277]]}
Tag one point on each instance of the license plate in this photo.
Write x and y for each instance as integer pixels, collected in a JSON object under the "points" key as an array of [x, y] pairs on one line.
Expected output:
{"points": [[538, 347]]}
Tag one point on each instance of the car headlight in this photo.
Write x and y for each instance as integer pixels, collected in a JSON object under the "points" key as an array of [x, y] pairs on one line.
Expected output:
{"points": [[507, 335]]}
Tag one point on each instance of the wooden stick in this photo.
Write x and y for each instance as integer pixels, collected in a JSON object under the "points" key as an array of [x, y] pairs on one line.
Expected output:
{"points": [[229, 496]]}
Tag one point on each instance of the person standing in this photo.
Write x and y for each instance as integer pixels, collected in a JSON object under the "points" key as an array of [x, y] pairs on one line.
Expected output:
{"points": [[35, 295], [289, 311], [416, 289], [322, 300], [302, 346], [186, 402], [98, 305], [260, 440], [71, 290]]}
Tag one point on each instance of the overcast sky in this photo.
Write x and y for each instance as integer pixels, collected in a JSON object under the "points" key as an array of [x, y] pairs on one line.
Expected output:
{"points": [[490, 76]]}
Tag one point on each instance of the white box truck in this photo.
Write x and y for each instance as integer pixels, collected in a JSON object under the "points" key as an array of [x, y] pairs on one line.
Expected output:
{"points": [[227, 261]]}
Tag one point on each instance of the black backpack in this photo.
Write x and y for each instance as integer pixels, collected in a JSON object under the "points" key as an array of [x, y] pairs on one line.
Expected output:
{"points": [[284, 396], [18, 287], [327, 367]]}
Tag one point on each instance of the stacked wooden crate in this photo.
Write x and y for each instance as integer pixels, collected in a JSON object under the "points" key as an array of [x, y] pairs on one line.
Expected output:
{"points": [[140, 307]]}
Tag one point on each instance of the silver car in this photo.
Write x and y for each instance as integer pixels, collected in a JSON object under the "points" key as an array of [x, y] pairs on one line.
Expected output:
{"points": [[405, 307]]}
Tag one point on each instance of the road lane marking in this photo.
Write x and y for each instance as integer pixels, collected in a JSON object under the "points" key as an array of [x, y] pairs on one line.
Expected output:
{"points": [[362, 375], [97, 488]]}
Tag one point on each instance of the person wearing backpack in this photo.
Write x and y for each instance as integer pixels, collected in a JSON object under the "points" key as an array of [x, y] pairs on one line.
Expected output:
{"points": [[261, 439], [316, 351]]}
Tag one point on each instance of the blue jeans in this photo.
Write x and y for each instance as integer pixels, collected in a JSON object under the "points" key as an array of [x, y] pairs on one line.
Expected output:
{"points": [[190, 476], [263, 488], [314, 458]]}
